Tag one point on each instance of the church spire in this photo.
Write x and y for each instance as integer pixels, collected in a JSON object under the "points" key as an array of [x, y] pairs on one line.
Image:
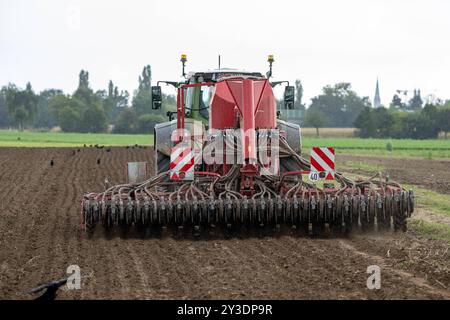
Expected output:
{"points": [[376, 99]]}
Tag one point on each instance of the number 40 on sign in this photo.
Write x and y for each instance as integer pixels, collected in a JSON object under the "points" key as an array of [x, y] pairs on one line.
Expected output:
{"points": [[322, 163]]}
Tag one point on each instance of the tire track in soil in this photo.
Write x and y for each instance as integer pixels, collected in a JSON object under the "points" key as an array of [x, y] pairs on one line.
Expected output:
{"points": [[171, 269], [13, 182], [299, 271], [119, 272], [96, 251], [342, 274], [191, 266], [56, 249], [9, 186], [92, 248], [71, 233], [27, 239], [143, 280], [244, 268], [406, 276], [325, 273], [129, 265], [119, 275], [157, 279], [128, 274], [9, 171], [349, 279], [279, 257], [124, 274]]}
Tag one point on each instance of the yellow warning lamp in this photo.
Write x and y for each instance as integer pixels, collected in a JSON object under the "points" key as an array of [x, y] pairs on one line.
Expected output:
{"points": [[270, 59], [183, 61]]}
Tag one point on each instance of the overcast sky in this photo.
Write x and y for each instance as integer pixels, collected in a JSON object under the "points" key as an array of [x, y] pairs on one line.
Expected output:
{"points": [[405, 43]]}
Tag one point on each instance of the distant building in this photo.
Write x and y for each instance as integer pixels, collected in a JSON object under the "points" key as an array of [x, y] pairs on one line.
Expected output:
{"points": [[376, 99]]}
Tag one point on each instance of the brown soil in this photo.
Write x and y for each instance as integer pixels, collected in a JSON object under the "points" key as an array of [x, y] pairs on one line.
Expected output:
{"points": [[432, 174], [40, 237]]}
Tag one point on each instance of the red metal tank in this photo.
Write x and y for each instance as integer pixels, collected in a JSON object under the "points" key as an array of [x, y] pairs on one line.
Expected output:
{"points": [[244, 103]]}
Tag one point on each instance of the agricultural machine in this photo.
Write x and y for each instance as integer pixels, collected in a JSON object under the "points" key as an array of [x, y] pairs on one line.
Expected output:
{"points": [[225, 158]]}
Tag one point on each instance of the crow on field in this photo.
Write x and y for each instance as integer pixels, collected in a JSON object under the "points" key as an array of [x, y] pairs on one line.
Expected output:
{"points": [[98, 161], [52, 163], [52, 287], [108, 150]]}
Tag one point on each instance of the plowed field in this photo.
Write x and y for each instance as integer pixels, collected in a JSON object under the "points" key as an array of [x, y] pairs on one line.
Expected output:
{"points": [[40, 236]]}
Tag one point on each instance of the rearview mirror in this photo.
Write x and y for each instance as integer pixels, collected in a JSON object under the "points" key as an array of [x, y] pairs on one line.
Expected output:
{"points": [[156, 97], [289, 97]]}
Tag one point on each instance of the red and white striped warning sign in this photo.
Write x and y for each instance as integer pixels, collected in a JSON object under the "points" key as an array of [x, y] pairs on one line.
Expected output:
{"points": [[322, 160], [182, 162]]}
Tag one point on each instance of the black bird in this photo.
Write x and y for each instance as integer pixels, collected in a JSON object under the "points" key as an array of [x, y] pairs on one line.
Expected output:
{"points": [[52, 287], [98, 161], [52, 163], [108, 150]]}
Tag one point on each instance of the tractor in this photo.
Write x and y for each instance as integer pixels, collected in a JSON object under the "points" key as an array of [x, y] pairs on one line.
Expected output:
{"points": [[228, 157]]}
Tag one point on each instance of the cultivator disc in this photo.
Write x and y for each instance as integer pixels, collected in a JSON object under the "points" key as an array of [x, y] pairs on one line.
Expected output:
{"points": [[311, 209], [211, 200]]}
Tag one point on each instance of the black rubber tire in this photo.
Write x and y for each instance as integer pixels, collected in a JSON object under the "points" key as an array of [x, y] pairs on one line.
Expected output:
{"points": [[399, 218], [163, 165], [162, 162]]}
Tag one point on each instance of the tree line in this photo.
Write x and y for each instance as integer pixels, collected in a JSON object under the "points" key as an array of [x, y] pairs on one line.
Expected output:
{"points": [[340, 106], [424, 123], [108, 110], [84, 110]]}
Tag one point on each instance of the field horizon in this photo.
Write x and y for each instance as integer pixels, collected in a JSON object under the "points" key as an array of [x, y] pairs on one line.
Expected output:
{"points": [[435, 148]]}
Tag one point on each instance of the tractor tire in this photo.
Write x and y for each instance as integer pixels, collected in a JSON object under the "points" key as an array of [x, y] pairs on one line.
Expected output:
{"points": [[162, 162], [399, 215], [163, 165]]}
